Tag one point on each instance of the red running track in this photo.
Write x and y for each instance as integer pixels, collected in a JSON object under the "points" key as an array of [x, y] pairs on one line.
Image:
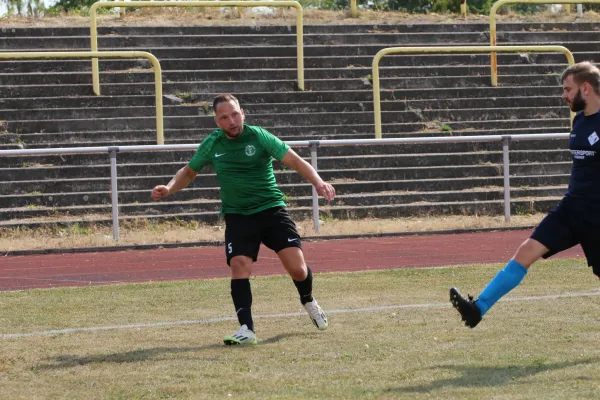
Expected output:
{"points": [[82, 269]]}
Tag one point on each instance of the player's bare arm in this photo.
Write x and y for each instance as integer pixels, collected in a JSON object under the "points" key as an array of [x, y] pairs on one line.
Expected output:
{"points": [[182, 179], [298, 164]]}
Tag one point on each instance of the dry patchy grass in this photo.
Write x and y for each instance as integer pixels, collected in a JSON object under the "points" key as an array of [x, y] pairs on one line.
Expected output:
{"points": [[215, 17], [144, 232], [522, 350]]}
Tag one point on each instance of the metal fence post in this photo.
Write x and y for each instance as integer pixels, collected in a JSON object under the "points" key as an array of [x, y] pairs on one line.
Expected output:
{"points": [[506, 173], [315, 196], [114, 194]]}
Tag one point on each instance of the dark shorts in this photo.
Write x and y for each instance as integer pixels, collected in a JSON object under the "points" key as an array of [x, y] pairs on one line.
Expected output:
{"points": [[272, 227], [571, 223]]}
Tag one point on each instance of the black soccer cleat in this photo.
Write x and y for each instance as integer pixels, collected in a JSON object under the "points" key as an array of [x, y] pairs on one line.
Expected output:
{"points": [[469, 312]]}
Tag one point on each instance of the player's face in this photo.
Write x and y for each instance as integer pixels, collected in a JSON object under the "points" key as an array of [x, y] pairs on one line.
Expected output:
{"points": [[572, 95], [230, 117]]}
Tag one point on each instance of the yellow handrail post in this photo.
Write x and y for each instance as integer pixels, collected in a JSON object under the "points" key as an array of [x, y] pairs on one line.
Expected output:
{"points": [[353, 8], [493, 56], [204, 3], [106, 54], [300, 47], [451, 49], [376, 91], [94, 47], [160, 135], [494, 10], [463, 8]]}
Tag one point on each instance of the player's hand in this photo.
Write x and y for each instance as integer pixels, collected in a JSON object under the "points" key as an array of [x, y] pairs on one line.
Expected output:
{"points": [[159, 192], [326, 190]]}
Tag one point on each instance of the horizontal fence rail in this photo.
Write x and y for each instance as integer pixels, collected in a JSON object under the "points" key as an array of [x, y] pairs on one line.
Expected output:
{"points": [[186, 4], [312, 144]]}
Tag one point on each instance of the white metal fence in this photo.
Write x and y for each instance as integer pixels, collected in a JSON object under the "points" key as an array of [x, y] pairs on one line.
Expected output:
{"points": [[313, 144]]}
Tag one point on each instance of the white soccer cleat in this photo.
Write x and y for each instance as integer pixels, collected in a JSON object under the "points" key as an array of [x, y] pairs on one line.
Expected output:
{"points": [[241, 336], [316, 314]]}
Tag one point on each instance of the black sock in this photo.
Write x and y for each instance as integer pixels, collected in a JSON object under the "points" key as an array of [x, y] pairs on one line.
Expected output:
{"points": [[242, 301], [305, 287]]}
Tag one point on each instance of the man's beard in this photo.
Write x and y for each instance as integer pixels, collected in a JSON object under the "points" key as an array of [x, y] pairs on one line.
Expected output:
{"points": [[578, 103], [231, 135]]}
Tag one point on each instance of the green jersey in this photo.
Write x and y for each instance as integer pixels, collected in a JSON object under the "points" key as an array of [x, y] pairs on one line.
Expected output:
{"points": [[244, 168]]}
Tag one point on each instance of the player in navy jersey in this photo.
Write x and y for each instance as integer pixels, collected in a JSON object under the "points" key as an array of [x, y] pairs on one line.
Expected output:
{"points": [[576, 219]]}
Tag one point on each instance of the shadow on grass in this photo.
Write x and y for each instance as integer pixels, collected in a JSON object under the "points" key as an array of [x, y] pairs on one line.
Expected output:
{"points": [[278, 338], [153, 354], [489, 376]]}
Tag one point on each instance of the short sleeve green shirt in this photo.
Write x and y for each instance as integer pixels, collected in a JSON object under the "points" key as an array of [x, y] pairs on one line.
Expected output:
{"points": [[244, 168]]}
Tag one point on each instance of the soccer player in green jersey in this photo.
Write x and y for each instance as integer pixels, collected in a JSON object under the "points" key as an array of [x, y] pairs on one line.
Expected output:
{"points": [[253, 207]]}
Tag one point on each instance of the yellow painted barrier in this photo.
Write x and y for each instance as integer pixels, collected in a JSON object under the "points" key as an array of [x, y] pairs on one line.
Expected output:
{"points": [[234, 3], [494, 10], [353, 9], [105, 54], [450, 49], [463, 8]]}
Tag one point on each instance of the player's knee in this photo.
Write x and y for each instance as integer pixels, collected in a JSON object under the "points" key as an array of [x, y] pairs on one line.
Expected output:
{"points": [[529, 252], [241, 267], [298, 273]]}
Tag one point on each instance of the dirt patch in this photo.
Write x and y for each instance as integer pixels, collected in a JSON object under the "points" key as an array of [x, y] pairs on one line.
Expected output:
{"points": [[220, 17], [144, 232]]}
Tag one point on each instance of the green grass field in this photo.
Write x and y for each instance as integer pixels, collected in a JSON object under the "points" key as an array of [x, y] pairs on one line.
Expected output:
{"points": [[534, 348]]}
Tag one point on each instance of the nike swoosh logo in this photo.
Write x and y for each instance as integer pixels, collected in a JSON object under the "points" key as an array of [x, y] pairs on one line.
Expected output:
{"points": [[291, 240], [219, 155]]}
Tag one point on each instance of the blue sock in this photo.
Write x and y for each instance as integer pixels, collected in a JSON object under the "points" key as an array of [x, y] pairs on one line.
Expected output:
{"points": [[505, 281]]}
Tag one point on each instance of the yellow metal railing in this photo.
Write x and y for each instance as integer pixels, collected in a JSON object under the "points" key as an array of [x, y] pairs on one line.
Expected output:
{"points": [[450, 49], [106, 54], [136, 4], [494, 10]]}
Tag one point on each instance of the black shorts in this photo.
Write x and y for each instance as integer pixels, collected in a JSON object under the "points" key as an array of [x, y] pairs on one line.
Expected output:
{"points": [[571, 223], [273, 227]]}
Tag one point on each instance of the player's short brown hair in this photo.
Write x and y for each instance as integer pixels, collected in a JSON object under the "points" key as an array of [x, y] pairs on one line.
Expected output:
{"points": [[224, 98], [584, 72]]}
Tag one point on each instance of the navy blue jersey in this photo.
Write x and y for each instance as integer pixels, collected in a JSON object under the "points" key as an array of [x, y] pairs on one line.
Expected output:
{"points": [[585, 150]]}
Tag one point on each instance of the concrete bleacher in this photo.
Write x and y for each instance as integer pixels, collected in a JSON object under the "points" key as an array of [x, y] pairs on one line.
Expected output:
{"points": [[49, 103]]}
